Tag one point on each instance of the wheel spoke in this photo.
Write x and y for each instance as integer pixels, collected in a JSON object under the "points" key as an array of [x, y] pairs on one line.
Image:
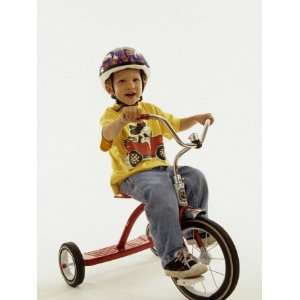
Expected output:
{"points": [[204, 288], [68, 265], [205, 241], [213, 277], [213, 247], [196, 248], [193, 239], [217, 272]]}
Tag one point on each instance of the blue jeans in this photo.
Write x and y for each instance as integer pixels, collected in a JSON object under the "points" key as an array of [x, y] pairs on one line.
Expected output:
{"points": [[154, 188]]}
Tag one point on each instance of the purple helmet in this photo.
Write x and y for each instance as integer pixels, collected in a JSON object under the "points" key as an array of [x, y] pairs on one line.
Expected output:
{"points": [[121, 59]]}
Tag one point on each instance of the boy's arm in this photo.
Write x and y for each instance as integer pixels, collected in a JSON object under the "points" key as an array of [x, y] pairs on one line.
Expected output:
{"points": [[128, 114], [110, 131], [186, 123]]}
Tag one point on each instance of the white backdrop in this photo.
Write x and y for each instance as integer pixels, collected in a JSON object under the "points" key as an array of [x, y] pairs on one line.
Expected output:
{"points": [[205, 57]]}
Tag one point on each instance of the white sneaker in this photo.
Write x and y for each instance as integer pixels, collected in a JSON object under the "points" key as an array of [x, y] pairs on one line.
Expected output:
{"points": [[184, 265]]}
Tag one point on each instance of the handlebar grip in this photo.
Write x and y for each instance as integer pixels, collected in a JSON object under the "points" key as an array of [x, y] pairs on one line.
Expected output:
{"points": [[206, 125], [207, 122]]}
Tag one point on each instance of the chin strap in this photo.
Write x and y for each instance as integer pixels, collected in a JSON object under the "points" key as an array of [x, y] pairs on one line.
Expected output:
{"points": [[121, 104]]}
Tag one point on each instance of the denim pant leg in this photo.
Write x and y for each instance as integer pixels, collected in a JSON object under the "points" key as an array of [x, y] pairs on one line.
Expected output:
{"points": [[195, 186], [155, 189]]}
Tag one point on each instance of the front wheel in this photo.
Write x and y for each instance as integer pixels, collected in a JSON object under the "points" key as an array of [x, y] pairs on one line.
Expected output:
{"points": [[212, 245]]}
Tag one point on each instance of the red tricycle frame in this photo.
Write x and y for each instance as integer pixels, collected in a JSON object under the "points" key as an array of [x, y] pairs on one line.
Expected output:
{"points": [[124, 247]]}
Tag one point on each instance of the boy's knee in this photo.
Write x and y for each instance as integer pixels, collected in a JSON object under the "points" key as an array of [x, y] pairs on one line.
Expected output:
{"points": [[195, 174], [161, 208], [160, 199], [200, 175], [156, 190]]}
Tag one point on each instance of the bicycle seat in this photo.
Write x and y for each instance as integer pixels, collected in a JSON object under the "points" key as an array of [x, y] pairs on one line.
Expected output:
{"points": [[121, 195]]}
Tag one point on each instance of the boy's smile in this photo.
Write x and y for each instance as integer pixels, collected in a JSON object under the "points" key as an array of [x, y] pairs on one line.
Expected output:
{"points": [[127, 85]]}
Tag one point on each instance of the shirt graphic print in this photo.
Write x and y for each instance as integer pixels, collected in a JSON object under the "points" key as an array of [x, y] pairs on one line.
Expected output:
{"points": [[142, 145]]}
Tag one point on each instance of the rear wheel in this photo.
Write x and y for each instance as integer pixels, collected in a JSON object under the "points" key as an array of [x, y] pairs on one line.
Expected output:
{"points": [[71, 264], [219, 255]]}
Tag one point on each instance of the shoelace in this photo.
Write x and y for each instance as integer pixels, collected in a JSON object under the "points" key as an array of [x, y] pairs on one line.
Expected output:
{"points": [[184, 256]]}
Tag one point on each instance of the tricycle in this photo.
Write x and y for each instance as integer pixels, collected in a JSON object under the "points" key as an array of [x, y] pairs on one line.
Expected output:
{"points": [[220, 257]]}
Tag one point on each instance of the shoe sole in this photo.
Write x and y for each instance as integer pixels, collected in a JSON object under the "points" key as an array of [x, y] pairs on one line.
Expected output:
{"points": [[194, 271]]}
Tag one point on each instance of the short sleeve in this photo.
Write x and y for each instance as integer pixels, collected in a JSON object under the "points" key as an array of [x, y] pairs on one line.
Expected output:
{"points": [[108, 117], [174, 121]]}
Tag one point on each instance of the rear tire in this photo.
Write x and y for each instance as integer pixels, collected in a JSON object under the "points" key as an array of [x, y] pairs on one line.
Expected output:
{"points": [[71, 264]]}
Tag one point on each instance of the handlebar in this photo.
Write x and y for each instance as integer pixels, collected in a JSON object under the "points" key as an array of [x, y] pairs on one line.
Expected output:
{"points": [[173, 132], [196, 143]]}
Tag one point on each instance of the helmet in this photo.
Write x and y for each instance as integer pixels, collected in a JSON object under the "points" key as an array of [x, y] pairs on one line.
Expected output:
{"points": [[121, 59]]}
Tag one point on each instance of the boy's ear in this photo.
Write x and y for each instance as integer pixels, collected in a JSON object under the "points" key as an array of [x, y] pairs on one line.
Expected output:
{"points": [[108, 86], [144, 77]]}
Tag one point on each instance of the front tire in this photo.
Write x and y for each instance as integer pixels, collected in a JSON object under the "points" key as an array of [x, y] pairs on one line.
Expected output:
{"points": [[220, 257]]}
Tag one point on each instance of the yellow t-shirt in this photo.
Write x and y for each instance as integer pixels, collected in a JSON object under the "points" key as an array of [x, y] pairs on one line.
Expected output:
{"points": [[138, 147]]}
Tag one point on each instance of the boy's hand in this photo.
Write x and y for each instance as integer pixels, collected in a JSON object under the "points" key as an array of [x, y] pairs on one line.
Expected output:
{"points": [[130, 114], [202, 118]]}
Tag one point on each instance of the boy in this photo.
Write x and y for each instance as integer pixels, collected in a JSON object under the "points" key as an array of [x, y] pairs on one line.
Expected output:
{"points": [[140, 168]]}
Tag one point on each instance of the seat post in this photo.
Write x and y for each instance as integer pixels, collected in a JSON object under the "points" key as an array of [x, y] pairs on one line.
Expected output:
{"points": [[130, 222]]}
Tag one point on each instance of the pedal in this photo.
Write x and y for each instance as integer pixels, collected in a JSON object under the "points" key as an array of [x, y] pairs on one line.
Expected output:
{"points": [[204, 258], [189, 281]]}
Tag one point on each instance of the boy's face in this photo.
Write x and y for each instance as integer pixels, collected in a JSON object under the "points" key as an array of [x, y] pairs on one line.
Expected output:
{"points": [[127, 86]]}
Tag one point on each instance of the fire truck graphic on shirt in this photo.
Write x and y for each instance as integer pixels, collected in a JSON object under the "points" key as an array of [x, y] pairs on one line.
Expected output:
{"points": [[141, 145]]}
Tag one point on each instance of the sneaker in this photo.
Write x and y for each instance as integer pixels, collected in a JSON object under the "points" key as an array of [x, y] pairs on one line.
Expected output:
{"points": [[207, 239], [184, 265]]}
